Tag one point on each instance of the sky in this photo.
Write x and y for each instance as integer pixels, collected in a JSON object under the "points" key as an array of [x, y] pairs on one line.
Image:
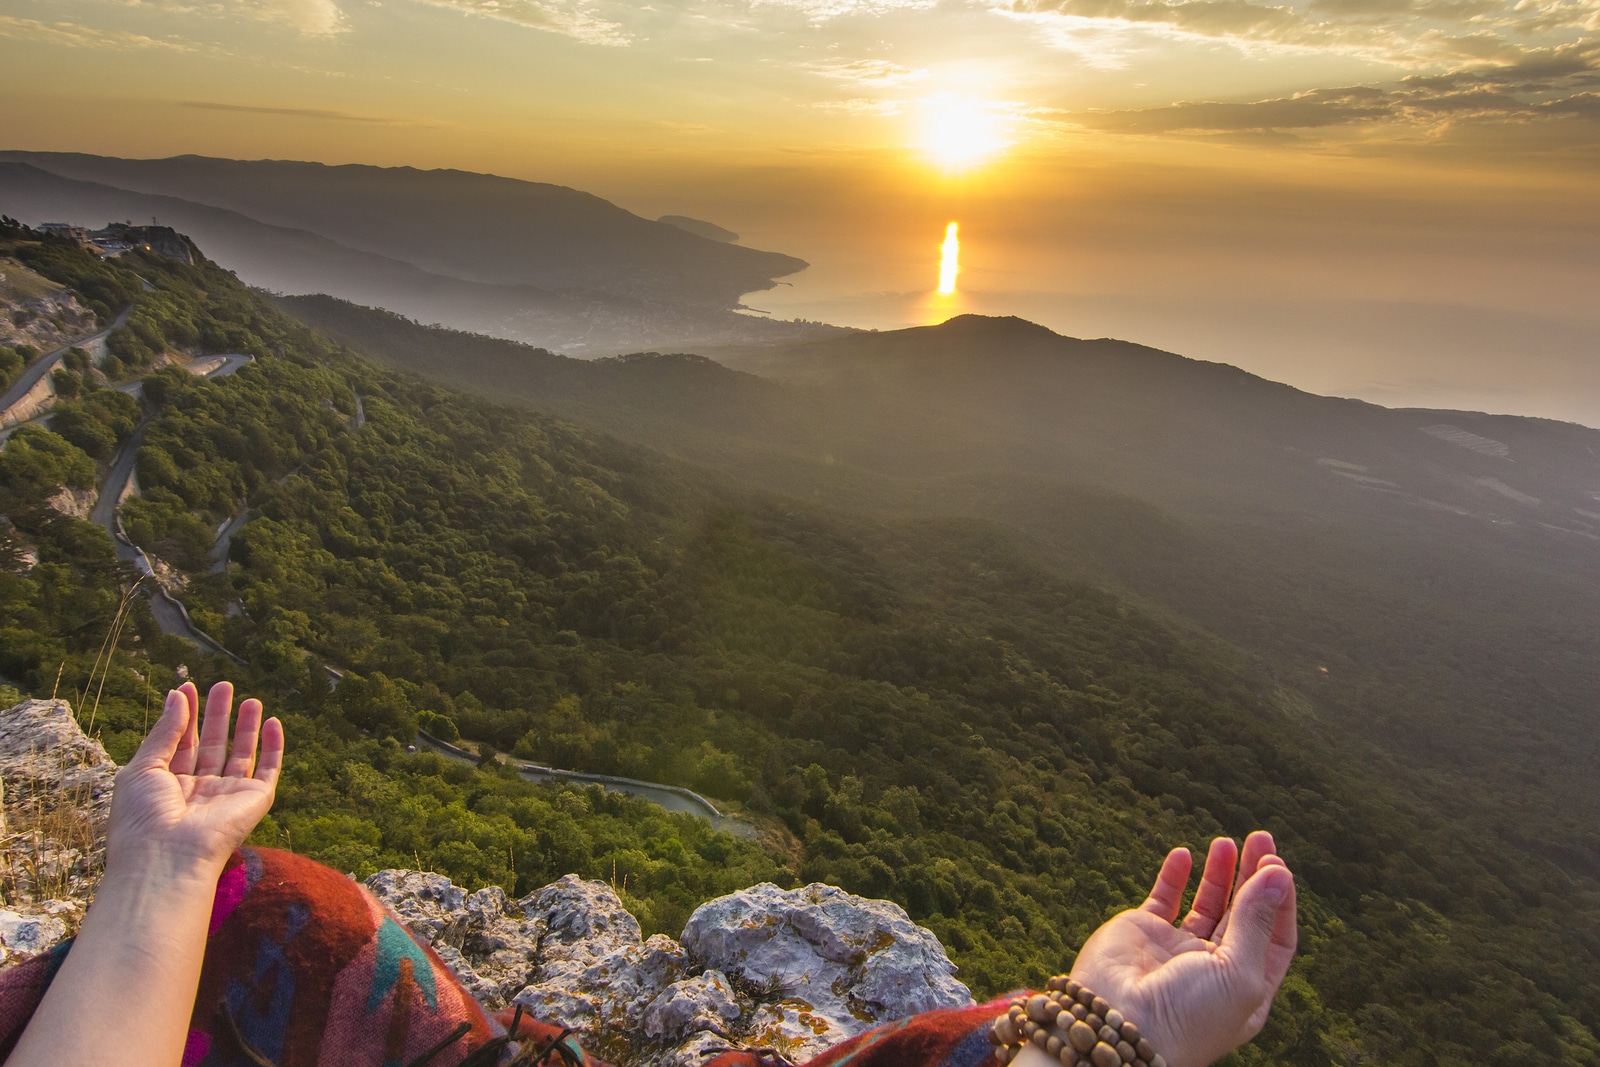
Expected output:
{"points": [[1393, 199]]}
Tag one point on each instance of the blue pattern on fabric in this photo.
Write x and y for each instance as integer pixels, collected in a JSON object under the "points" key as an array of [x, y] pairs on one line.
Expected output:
{"points": [[974, 1049], [265, 1028]]}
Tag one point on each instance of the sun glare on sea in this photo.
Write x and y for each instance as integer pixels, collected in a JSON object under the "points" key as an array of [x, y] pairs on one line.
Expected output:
{"points": [[949, 260], [959, 134]]}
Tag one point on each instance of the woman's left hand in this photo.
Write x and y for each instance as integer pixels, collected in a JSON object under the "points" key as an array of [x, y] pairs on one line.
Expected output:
{"points": [[186, 801], [1204, 987]]}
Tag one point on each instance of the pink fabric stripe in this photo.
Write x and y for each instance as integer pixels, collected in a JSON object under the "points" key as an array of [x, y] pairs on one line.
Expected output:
{"points": [[230, 891], [195, 1048]]}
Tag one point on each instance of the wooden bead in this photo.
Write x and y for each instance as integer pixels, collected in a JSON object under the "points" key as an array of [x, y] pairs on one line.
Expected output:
{"points": [[1125, 1050], [1115, 1020], [1103, 1055], [1029, 1028], [1085, 997], [1037, 1009], [1131, 1034], [1053, 1045], [1068, 1056], [1005, 1031], [1157, 1061], [1005, 1054], [1109, 1036], [1078, 1011], [1064, 1020], [1040, 1037], [1099, 1006], [1094, 1021], [1056, 984], [1081, 1037], [1146, 1051], [1074, 987]]}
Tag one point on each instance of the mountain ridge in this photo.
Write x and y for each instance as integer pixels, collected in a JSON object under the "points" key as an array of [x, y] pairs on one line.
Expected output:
{"points": [[300, 259], [477, 227]]}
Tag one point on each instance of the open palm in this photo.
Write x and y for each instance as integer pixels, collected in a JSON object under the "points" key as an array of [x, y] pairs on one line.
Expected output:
{"points": [[1202, 988], [186, 800]]}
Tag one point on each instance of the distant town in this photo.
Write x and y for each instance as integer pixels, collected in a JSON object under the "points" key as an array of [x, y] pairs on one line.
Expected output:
{"points": [[119, 237]]}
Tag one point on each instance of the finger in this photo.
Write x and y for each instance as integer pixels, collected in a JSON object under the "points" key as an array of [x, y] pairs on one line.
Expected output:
{"points": [[189, 744], [1257, 847], [271, 752], [1285, 937], [162, 740], [1261, 938], [214, 730], [242, 760], [1166, 896], [1216, 886]]}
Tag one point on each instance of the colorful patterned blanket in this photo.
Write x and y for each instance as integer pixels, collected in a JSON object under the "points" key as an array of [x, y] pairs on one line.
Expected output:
{"points": [[305, 968]]}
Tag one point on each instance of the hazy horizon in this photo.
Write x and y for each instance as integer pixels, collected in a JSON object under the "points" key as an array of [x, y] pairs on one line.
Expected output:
{"points": [[1390, 199]]}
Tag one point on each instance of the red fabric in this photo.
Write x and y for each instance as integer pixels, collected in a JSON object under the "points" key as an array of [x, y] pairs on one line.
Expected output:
{"points": [[307, 969], [312, 971], [952, 1037]]}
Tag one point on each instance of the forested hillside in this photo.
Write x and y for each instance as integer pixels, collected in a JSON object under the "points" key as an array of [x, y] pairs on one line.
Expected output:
{"points": [[1428, 580], [940, 711]]}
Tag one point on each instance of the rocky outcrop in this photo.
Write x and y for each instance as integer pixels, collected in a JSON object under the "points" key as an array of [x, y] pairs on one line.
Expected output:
{"points": [[57, 796], [831, 964], [793, 971], [79, 503], [36, 311], [790, 970]]}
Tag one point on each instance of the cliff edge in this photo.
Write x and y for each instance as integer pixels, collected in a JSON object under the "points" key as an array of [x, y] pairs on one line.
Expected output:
{"points": [[794, 971]]}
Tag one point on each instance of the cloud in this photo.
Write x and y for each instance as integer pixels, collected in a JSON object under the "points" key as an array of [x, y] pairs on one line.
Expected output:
{"points": [[292, 112], [861, 105], [570, 18], [827, 10], [1540, 85], [72, 35], [876, 73], [1206, 18], [314, 18], [1407, 33]]}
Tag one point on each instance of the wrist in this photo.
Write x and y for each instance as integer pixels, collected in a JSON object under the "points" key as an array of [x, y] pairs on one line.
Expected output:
{"points": [[1073, 1026], [162, 869]]}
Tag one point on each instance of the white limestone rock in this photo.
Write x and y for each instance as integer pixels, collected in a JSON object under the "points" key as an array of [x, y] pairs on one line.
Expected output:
{"points": [[489, 944], [595, 972], [35, 928], [431, 905], [44, 755], [831, 964], [57, 796], [703, 1003]]}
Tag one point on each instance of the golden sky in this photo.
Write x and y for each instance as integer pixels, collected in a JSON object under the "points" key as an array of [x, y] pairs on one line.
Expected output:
{"points": [[1216, 176]]}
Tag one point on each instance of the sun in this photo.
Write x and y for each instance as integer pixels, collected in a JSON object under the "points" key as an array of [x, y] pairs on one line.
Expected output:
{"points": [[959, 134]]}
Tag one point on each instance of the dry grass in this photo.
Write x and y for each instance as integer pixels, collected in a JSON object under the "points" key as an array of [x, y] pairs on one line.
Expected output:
{"points": [[53, 842]]}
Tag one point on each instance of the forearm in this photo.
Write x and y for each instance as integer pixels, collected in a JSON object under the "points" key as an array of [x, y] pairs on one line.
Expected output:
{"points": [[132, 973]]}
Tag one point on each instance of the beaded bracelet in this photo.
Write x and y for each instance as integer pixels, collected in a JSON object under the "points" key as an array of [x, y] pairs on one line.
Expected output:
{"points": [[1072, 1024]]}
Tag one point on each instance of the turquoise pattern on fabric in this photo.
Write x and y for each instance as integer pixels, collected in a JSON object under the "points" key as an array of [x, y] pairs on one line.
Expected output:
{"points": [[394, 945]]}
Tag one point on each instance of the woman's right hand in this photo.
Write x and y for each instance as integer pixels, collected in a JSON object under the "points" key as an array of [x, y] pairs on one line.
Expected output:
{"points": [[1202, 988], [186, 801]]}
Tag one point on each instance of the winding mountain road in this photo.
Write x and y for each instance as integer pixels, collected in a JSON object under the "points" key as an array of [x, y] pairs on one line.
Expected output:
{"points": [[169, 612], [672, 797], [14, 402]]}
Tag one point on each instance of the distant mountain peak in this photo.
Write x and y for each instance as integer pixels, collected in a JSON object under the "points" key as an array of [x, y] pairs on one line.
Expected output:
{"points": [[1007, 324]]}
